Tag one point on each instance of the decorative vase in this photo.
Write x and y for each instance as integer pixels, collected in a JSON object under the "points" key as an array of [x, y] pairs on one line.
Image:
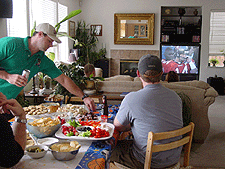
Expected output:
{"points": [[181, 11], [167, 11], [195, 12], [73, 55]]}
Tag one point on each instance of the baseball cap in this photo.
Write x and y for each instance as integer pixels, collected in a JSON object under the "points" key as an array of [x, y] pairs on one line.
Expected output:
{"points": [[49, 30], [149, 62]]}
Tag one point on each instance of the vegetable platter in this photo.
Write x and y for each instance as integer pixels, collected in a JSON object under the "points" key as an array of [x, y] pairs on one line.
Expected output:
{"points": [[96, 130]]}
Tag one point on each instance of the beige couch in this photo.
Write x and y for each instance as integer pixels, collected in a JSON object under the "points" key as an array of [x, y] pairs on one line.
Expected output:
{"points": [[201, 94]]}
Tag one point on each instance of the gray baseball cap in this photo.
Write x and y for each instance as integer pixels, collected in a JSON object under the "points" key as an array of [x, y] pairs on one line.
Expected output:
{"points": [[49, 30], [149, 62]]}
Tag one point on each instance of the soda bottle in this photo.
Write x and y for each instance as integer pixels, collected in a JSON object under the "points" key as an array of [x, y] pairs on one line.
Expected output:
{"points": [[104, 117]]}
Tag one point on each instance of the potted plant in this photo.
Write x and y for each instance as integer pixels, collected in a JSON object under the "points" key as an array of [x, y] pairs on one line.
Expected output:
{"points": [[102, 53], [75, 72], [214, 61], [92, 82], [87, 44]]}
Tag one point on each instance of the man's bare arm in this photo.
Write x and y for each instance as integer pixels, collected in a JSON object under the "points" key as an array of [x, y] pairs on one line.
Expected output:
{"points": [[120, 127], [68, 83]]}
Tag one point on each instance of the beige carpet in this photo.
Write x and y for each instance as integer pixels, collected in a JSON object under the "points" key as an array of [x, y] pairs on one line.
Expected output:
{"points": [[211, 154]]}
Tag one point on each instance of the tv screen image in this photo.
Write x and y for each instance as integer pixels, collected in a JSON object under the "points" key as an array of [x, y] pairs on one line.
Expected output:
{"points": [[182, 59]]}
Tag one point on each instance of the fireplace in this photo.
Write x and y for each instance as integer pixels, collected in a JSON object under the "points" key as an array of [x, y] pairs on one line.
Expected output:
{"points": [[128, 67], [118, 56]]}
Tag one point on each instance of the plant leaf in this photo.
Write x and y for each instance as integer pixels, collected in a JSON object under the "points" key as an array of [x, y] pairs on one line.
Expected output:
{"points": [[62, 34], [33, 29], [70, 15]]}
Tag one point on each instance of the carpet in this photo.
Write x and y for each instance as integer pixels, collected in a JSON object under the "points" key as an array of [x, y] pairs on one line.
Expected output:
{"points": [[211, 154]]}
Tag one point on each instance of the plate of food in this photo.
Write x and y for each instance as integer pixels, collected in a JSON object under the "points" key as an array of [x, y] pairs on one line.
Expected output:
{"points": [[36, 111], [92, 130]]}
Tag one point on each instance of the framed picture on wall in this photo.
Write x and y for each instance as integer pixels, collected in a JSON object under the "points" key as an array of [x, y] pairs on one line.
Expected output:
{"points": [[72, 29], [96, 30]]}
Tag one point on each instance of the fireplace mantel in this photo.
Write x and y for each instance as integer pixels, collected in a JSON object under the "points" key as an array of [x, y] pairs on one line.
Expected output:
{"points": [[117, 55]]}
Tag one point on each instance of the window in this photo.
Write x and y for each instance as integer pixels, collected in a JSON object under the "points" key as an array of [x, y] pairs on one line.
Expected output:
{"points": [[17, 26], [217, 37], [41, 11]]}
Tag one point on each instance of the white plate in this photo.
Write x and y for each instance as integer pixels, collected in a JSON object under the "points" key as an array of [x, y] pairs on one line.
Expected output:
{"points": [[59, 134], [47, 140]]}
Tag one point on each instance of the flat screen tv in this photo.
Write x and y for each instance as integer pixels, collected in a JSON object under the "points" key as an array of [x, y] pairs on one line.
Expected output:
{"points": [[6, 10], [183, 59]]}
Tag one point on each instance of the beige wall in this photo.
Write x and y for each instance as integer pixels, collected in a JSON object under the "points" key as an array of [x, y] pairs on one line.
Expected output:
{"points": [[102, 12]]}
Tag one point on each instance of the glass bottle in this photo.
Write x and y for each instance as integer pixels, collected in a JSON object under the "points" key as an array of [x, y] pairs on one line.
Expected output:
{"points": [[47, 82], [104, 116]]}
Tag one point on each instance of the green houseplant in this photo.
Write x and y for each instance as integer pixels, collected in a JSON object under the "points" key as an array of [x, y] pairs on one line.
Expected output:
{"points": [[87, 44], [214, 61], [73, 71]]}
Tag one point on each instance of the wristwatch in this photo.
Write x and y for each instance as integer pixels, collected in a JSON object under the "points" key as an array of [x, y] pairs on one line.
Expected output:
{"points": [[85, 96], [18, 120]]}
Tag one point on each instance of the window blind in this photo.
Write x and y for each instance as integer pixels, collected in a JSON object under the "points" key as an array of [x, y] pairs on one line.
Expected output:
{"points": [[217, 32], [17, 25], [41, 11], [63, 49]]}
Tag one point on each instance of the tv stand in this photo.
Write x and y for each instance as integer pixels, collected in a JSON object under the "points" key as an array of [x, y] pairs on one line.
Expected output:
{"points": [[185, 77]]}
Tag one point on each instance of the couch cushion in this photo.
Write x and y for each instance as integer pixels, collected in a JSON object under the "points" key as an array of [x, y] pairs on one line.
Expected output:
{"points": [[194, 83], [120, 78], [137, 79]]}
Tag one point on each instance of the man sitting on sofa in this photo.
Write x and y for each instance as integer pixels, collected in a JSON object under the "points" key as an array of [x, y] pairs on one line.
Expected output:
{"points": [[154, 108]]}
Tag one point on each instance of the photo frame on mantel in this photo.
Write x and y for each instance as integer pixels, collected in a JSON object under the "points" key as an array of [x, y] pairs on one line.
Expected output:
{"points": [[96, 30], [72, 29]]}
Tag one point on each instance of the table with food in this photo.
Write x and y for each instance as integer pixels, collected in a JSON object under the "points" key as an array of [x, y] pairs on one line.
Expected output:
{"points": [[67, 136]]}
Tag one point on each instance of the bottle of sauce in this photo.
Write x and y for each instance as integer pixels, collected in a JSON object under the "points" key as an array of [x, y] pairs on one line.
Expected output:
{"points": [[104, 117]]}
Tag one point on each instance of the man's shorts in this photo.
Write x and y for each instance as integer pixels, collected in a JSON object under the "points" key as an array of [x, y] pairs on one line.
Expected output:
{"points": [[123, 154]]}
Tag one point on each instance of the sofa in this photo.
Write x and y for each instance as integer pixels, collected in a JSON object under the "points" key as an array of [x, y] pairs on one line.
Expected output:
{"points": [[201, 94]]}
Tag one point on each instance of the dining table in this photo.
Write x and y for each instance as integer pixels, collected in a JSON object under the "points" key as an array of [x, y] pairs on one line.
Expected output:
{"points": [[93, 154]]}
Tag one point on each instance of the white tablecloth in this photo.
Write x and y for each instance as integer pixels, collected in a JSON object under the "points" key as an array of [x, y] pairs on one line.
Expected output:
{"points": [[49, 162]]}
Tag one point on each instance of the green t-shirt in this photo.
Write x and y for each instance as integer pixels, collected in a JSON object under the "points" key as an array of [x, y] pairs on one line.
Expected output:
{"points": [[15, 56]]}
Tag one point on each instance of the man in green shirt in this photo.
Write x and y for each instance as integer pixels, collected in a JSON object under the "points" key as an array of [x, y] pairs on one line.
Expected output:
{"points": [[17, 54]]}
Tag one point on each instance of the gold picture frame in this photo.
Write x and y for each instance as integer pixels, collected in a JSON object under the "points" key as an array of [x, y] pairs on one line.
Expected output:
{"points": [[134, 28], [72, 29]]}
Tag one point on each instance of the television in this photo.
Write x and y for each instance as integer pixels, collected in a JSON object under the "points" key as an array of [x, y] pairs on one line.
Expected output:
{"points": [[183, 59], [6, 9]]}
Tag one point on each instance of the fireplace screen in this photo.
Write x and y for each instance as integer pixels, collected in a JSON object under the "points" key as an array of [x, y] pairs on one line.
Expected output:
{"points": [[129, 67]]}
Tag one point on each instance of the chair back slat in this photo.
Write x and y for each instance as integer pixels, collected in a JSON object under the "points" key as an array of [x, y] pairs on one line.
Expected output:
{"points": [[171, 134], [172, 145], [187, 132]]}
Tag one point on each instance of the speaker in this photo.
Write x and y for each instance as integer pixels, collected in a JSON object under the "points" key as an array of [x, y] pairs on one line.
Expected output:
{"points": [[104, 65]]}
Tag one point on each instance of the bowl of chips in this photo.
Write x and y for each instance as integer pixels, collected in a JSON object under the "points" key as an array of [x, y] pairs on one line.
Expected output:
{"points": [[65, 150], [43, 127], [36, 151]]}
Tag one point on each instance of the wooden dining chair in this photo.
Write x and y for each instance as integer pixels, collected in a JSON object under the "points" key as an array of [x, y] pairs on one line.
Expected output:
{"points": [[77, 99], [185, 141]]}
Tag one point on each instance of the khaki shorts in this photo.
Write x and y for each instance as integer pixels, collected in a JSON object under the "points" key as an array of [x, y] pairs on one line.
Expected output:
{"points": [[123, 154]]}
